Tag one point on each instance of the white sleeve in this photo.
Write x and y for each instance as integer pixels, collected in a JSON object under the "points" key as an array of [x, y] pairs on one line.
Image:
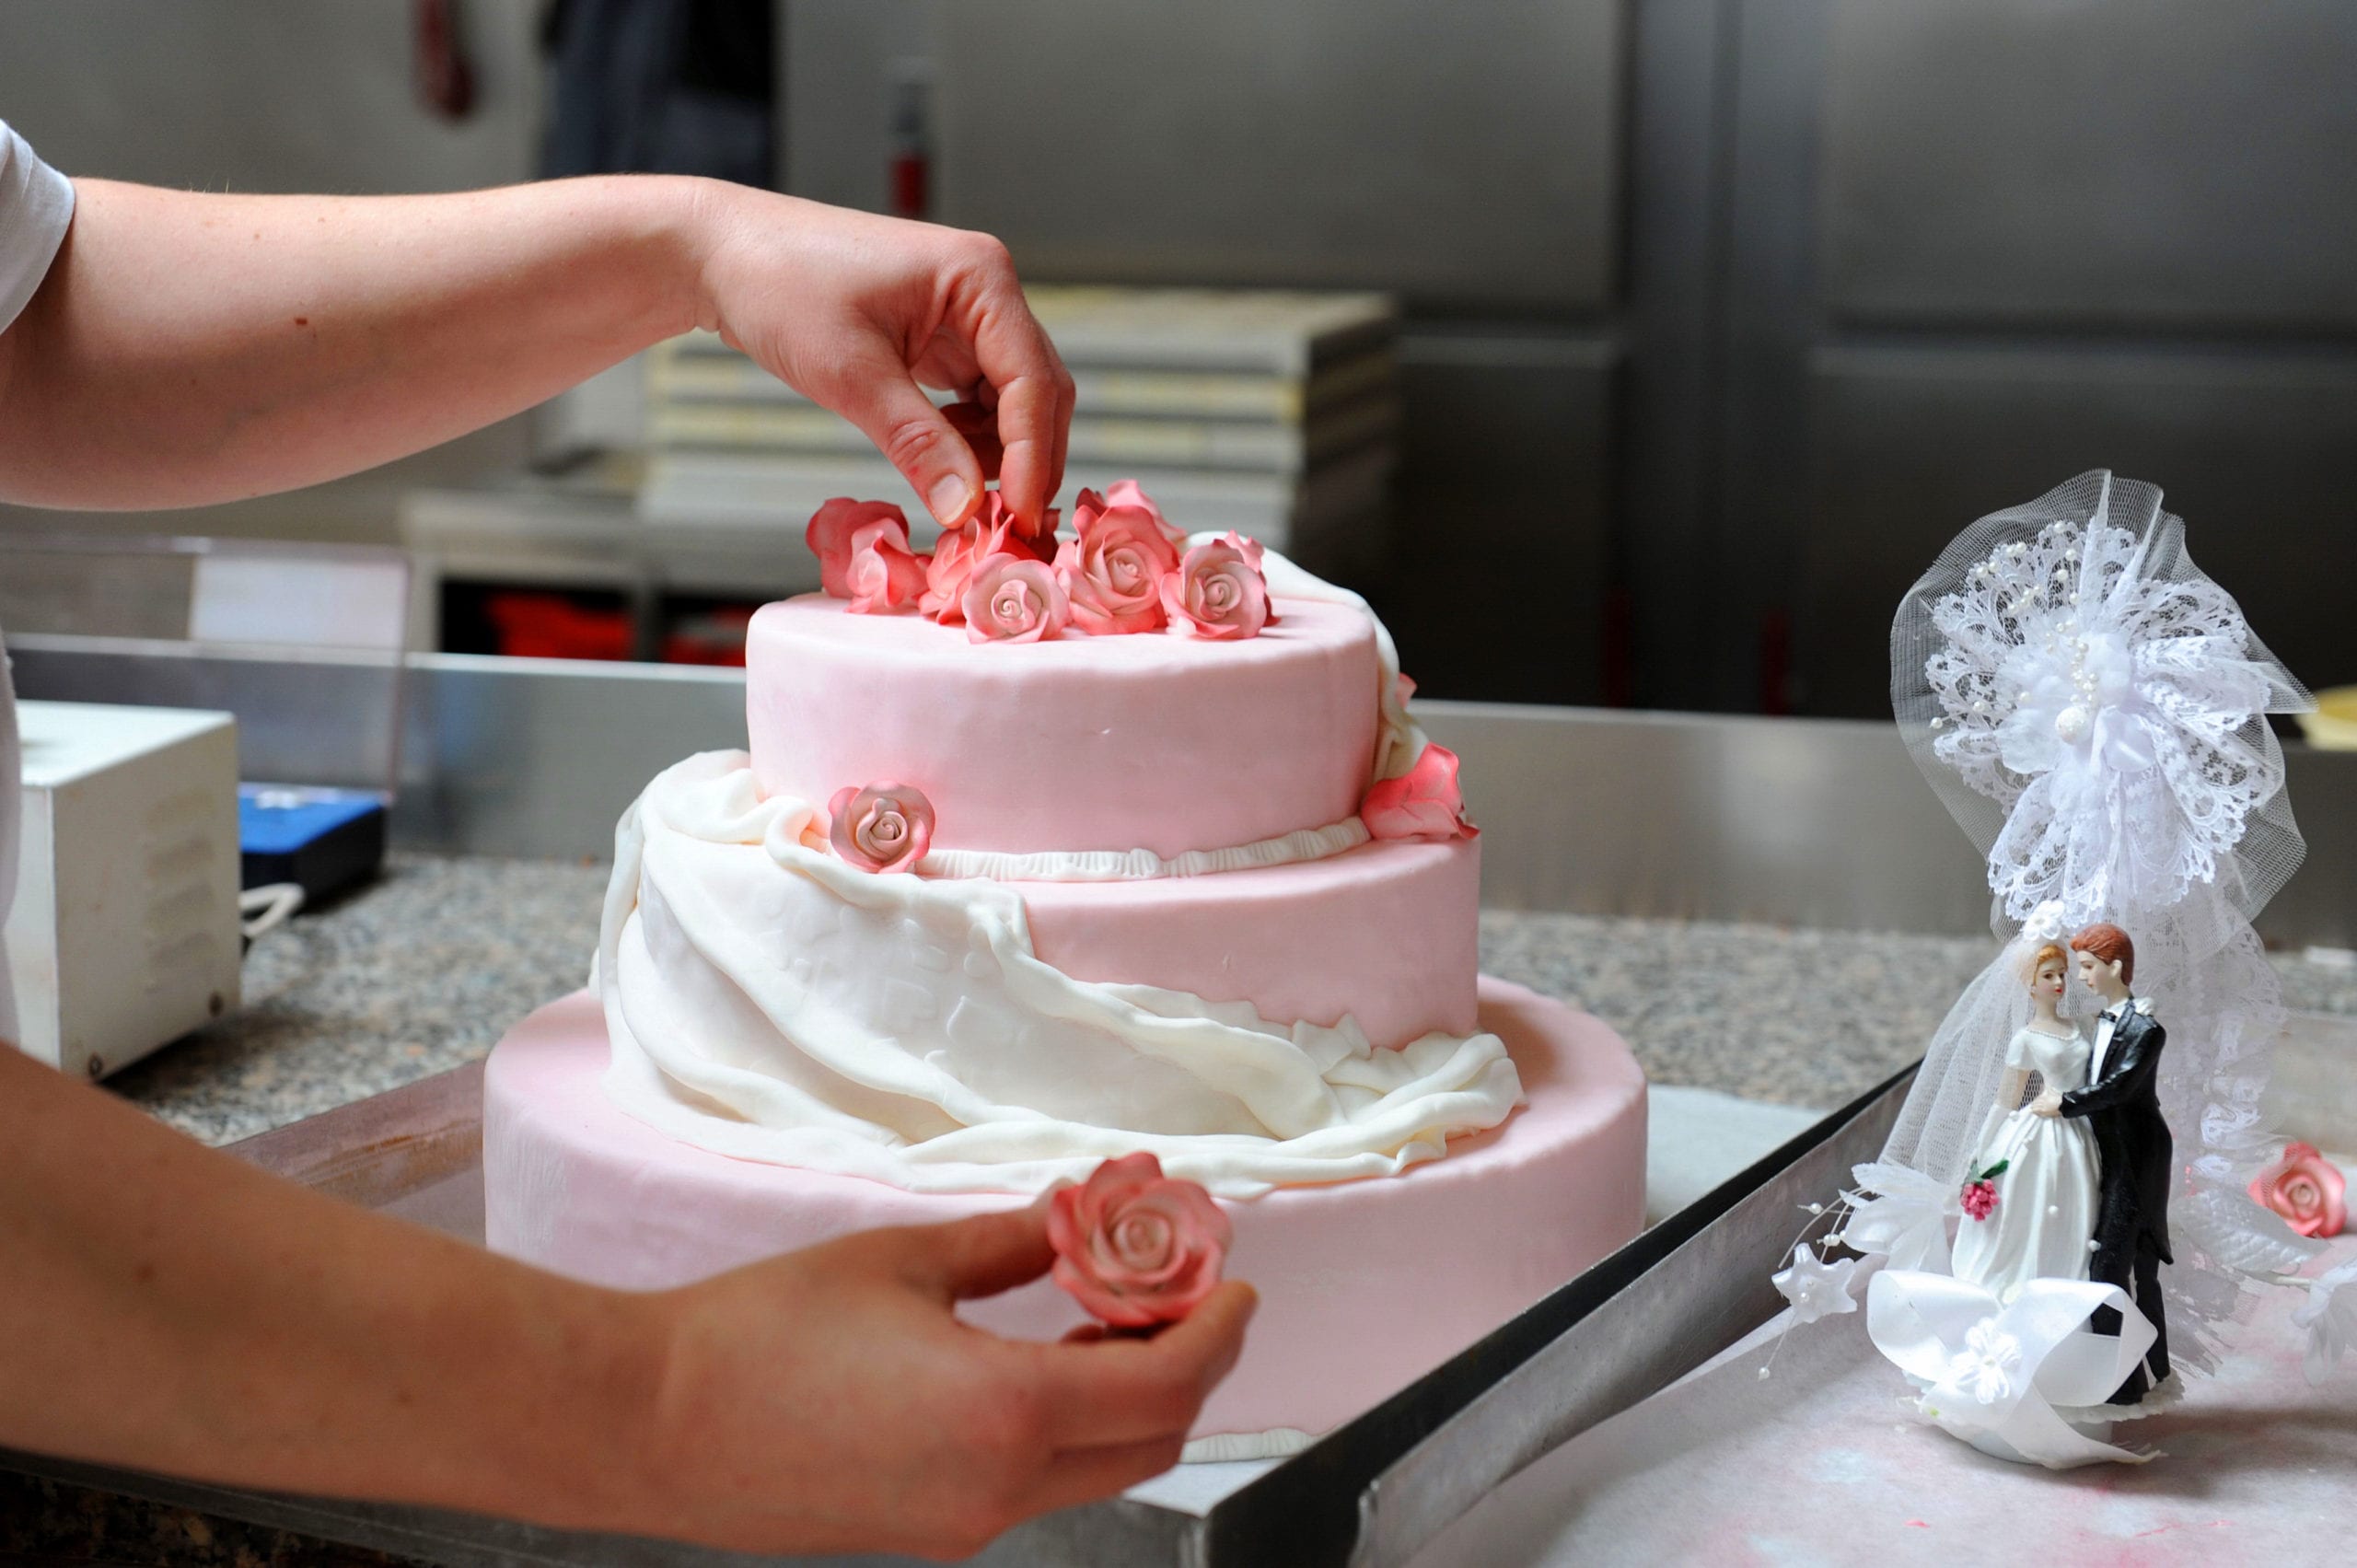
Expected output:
{"points": [[2017, 1052], [36, 206]]}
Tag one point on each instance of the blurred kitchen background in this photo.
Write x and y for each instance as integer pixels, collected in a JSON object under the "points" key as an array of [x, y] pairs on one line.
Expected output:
{"points": [[1657, 344]]}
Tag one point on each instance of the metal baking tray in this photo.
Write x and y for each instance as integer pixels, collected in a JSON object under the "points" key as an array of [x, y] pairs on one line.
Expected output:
{"points": [[1367, 1496]]}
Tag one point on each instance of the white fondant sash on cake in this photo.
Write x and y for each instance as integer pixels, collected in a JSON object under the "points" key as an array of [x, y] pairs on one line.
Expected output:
{"points": [[1143, 864], [769, 1001]]}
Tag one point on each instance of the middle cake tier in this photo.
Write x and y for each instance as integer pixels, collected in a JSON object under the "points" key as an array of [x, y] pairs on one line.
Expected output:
{"points": [[1386, 934]]}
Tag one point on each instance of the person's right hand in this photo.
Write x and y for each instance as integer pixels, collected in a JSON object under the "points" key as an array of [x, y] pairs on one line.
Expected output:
{"points": [[829, 1400], [862, 312]]}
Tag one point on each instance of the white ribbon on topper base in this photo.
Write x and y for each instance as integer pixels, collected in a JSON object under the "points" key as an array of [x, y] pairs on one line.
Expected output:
{"points": [[2007, 1378]]}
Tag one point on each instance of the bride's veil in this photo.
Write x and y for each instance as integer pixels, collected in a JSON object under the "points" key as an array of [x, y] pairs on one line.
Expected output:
{"points": [[1947, 1109]]}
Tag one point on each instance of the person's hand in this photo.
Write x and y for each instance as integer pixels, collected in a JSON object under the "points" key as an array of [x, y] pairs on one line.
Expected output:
{"points": [[2047, 1104], [860, 312], [828, 1399]]}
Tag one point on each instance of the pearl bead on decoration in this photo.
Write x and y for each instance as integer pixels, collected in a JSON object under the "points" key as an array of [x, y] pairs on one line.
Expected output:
{"points": [[2071, 725]]}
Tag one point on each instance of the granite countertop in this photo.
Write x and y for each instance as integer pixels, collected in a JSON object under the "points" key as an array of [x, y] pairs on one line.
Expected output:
{"points": [[423, 971]]}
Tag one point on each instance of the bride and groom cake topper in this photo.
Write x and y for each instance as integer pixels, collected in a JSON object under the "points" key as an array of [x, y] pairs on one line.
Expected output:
{"points": [[2093, 710], [2074, 1184]]}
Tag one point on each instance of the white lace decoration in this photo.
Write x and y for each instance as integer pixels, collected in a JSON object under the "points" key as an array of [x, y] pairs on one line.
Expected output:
{"points": [[2111, 704]]}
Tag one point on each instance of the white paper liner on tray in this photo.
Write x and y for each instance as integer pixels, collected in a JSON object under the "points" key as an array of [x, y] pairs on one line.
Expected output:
{"points": [[1822, 1463]]}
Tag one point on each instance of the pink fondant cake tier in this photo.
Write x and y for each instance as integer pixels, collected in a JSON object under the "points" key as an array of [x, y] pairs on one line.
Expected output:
{"points": [[1388, 932], [1364, 1285], [1160, 742]]}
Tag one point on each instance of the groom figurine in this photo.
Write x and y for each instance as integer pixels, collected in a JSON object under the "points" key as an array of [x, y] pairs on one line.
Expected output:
{"points": [[2121, 1103]]}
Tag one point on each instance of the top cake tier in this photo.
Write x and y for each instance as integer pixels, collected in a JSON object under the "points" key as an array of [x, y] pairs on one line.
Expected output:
{"points": [[1159, 742]]}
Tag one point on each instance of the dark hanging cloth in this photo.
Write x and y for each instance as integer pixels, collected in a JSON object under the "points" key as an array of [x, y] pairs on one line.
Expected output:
{"points": [[663, 87]]}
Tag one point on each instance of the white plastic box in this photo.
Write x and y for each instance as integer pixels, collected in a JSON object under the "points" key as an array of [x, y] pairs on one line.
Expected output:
{"points": [[123, 933]]}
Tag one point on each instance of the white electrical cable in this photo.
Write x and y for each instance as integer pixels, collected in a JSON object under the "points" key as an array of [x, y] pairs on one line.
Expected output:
{"points": [[268, 906]]}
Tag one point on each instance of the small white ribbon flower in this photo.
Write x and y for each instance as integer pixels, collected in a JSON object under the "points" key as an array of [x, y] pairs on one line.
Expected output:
{"points": [[1816, 1288]]}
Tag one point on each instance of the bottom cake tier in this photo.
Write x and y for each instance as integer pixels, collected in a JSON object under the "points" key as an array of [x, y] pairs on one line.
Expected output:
{"points": [[1364, 1285]]}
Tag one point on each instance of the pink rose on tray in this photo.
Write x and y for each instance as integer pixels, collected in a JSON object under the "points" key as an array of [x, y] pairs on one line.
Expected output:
{"points": [[1422, 803], [1013, 599], [883, 827], [884, 576], [840, 528], [1135, 1247], [1218, 591], [2304, 1188], [1113, 571]]}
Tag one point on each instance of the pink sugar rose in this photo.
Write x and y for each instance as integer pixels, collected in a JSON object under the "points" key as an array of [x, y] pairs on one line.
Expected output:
{"points": [[954, 555], [1126, 492], [1037, 538], [884, 827], [1422, 803], [884, 576], [1218, 591], [840, 528], [1013, 599], [1113, 571], [1134, 1247], [2304, 1188]]}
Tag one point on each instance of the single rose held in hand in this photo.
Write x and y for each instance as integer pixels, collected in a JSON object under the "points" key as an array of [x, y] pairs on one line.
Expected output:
{"points": [[1134, 1247], [2307, 1189]]}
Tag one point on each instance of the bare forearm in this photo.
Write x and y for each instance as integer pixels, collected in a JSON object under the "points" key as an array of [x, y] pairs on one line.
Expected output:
{"points": [[170, 1308], [189, 348]]}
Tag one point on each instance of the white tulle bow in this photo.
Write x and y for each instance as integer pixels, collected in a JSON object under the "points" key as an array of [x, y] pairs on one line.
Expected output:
{"points": [[2111, 699], [2005, 1378]]}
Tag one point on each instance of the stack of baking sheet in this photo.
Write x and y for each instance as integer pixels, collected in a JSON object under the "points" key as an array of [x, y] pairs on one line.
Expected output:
{"points": [[1272, 413]]}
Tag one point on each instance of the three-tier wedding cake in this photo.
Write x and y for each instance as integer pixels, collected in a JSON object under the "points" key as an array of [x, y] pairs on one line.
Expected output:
{"points": [[1048, 851]]}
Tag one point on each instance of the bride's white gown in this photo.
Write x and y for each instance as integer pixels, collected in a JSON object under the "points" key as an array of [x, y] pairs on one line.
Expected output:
{"points": [[2045, 1196]]}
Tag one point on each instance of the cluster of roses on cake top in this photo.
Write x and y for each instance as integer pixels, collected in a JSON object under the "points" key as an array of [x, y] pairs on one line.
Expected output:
{"points": [[1123, 571]]}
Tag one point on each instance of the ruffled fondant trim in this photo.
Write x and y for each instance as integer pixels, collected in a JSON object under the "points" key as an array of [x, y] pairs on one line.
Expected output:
{"points": [[1143, 864]]}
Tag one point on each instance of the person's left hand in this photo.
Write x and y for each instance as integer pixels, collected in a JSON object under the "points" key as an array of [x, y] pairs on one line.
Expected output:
{"points": [[860, 313], [2047, 1104]]}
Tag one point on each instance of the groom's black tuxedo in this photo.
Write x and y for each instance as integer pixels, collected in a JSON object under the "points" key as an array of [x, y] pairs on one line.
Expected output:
{"points": [[2123, 1110]]}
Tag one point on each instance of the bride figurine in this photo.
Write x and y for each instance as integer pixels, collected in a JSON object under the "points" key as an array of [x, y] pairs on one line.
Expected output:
{"points": [[2031, 1190]]}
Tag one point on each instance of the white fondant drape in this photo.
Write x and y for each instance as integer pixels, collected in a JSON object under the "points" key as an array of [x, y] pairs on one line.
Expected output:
{"points": [[769, 1001]]}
